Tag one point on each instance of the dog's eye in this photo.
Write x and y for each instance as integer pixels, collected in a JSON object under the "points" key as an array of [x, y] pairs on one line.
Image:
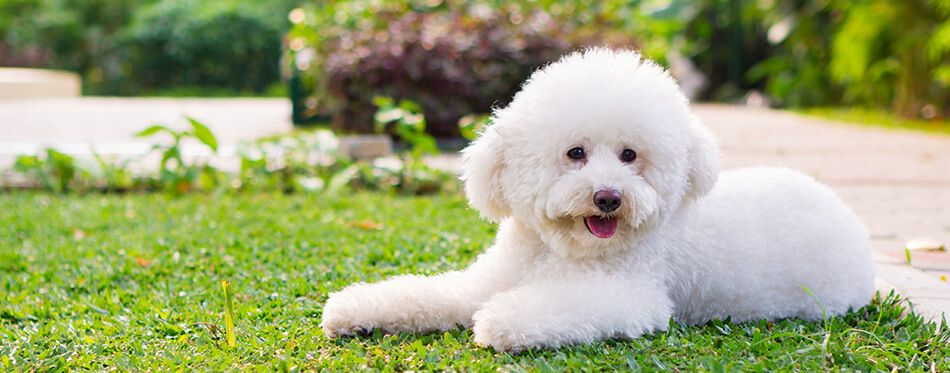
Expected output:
{"points": [[628, 155], [576, 153]]}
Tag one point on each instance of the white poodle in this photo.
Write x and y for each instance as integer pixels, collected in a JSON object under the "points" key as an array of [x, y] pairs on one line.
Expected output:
{"points": [[612, 221]]}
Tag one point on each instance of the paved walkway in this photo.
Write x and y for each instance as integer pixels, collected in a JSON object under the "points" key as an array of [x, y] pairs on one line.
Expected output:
{"points": [[898, 182]]}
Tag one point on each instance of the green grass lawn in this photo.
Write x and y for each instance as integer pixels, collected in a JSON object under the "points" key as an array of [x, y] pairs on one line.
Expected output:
{"points": [[134, 282], [877, 118]]}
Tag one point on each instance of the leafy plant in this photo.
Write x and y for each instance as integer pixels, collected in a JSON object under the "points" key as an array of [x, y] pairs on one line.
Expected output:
{"points": [[298, 162], [305, 161], [115, 176], [406, 120], [309, 162], [54, 170], [174, 173]]}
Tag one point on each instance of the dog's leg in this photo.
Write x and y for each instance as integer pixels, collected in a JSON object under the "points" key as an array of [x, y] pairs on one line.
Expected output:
{"points": [[550, 314], [402, 304], [422, 304]]}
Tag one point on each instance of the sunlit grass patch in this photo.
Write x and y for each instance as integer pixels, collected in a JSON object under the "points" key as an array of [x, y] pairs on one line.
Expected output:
{"points": [[134, 283], [877, 118]]}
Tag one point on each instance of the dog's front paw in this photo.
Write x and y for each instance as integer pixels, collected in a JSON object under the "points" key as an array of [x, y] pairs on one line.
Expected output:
{"points": [[502, 333], [342, 317], [337, 322]]}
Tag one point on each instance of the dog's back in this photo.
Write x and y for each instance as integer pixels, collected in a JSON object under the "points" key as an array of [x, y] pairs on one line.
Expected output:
{"points": [[766, 238]]}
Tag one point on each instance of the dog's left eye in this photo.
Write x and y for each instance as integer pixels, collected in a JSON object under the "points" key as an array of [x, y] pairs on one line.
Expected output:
{"points": [[628, 155]]}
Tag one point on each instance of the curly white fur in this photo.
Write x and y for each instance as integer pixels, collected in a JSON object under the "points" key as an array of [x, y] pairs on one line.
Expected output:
{"points": [[686, 245]]}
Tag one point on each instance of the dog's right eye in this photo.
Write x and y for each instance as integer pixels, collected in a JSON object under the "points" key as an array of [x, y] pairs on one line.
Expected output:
{"points": [[576, 153]]}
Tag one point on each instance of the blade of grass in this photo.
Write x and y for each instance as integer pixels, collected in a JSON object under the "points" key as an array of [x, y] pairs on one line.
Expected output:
{"points": [[824, 315], [229, 316]]}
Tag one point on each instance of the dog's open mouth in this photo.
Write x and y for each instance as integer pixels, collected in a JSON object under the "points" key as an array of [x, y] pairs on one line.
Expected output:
{"points": [[601, 227]]}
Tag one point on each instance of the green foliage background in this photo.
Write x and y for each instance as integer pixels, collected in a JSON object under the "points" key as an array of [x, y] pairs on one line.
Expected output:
{"points": [[134, 47], [870, 53]]}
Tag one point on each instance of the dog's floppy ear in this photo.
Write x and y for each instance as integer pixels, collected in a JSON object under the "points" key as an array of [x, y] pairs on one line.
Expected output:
{"points": [[703, 160], [483, 160]]}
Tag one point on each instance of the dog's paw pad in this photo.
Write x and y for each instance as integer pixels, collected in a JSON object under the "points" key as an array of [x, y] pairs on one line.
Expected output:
{"points": [[334, 331], [362, 331]]}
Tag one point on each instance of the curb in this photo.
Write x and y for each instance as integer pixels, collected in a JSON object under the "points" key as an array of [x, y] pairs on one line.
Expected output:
{"points": [[928, 296]]}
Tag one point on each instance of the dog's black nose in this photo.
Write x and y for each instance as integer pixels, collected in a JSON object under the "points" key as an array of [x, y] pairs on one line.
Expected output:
{"points": [[607, 200]]}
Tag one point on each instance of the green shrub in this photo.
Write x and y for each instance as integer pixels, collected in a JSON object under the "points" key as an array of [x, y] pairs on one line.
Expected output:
{"points": [[795, 71], [728, 37], [76, 35], [870, 53], [454, 58], [894, 54], [220, 43], [16, 31], [149, 46]]}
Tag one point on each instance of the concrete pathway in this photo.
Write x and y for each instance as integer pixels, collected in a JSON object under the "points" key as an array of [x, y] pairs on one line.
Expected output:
{"points": [[898, 182]]}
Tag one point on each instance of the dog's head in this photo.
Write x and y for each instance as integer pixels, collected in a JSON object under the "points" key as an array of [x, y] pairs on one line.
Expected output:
{"points": [[593, 152]]}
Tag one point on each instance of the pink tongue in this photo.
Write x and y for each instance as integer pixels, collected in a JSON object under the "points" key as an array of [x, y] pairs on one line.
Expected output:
{"points": [[600, 227]]}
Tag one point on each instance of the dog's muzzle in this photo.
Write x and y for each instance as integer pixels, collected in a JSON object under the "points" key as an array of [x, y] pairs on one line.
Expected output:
{"points": [[606, 200]]}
